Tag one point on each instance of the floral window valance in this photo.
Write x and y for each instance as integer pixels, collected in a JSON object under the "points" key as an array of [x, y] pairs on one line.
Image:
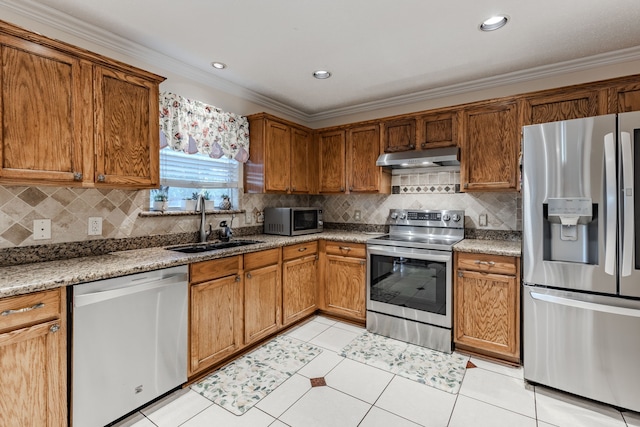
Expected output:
{"points": [[195, 127]]}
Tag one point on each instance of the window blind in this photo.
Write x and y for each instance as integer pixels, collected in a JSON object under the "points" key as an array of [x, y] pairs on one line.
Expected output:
{"points": [[178, 169]]}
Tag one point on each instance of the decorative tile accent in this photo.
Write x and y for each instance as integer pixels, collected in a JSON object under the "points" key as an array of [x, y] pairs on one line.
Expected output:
{"points": [[245, 381], [318, 382], [436, 369]]}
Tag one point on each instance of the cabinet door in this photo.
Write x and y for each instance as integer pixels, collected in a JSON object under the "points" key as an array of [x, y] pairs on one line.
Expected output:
{"points": [[399, 135], [277, 157], [363, 148], [216, 321], [33, 380], [44, 119], [126, 130], [487, 313], [624, 98], [299, 278], [438, 130], [344, 287], [300, 161], [490, 145], [332, 162], [261, 302], [560, 106]]}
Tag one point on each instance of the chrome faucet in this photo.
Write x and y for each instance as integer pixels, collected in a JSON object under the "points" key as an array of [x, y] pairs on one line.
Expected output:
{"points": [[203, 232]]}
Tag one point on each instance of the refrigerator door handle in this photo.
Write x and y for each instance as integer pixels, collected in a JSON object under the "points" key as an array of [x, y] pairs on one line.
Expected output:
{"points": [[586, 305], [611, 202], [627, 202]]}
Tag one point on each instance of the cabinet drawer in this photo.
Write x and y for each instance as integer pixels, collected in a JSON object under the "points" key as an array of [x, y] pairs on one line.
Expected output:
{"points": [[355, 250], [28, 309], [214, 269], [486, 263], [301, 249], [261, 259]]}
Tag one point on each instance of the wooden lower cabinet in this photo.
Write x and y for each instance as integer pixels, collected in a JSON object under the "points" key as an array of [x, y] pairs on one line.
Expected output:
{"points": [[299, 281], [487, 305], [33, 360], [216, 310], [262, 294], [343, 283]]}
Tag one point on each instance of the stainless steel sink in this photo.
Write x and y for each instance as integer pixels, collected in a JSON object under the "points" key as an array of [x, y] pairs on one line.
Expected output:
{"points": [[206, 247]]}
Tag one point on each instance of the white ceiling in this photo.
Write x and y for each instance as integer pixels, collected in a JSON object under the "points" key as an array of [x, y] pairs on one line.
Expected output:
{"points": [[376, 49]]}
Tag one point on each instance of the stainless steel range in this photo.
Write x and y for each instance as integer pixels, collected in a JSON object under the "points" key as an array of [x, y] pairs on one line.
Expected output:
{"points": [[409, 277]]}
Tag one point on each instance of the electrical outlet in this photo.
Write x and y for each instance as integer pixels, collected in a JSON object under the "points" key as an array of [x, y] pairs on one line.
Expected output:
{"points": [[356, 215], [248, 218], [483, 220], [260, 217], [95, 226], [41, 229]]}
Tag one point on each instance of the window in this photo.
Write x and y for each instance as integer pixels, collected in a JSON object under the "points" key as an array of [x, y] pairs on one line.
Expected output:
{"points": [[186, 174]]}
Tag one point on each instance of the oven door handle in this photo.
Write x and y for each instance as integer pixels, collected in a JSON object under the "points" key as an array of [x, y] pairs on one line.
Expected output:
{"points": [[424, 254]]}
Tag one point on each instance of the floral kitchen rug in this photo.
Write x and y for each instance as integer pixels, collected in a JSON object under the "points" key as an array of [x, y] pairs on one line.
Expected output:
{"points": [[440, 370], [245, 381]]}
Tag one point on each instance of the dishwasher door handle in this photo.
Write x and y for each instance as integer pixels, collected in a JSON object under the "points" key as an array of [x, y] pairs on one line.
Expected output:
{"points": [[96, 297]]}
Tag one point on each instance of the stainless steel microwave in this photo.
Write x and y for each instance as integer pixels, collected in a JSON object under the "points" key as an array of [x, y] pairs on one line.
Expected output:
{"points": [[292, 221]]}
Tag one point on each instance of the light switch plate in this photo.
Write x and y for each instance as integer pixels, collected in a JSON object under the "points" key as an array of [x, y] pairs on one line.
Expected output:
{"points": [[41, 229], [357, 216], [483, 220]]}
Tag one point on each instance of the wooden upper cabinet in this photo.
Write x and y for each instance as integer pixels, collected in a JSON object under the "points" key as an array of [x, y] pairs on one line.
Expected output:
{"points": [[280, 157], [490, 144], [624, 98], [399, 135], [363, 148], [438, 130], [74, 118], [126, 130], [301, 161], [42, 113], [332, 152], [560, 105], [277, 157]]}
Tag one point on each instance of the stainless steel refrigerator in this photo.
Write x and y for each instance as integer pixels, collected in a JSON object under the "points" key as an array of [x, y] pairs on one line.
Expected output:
{"points": [[581, 257]]}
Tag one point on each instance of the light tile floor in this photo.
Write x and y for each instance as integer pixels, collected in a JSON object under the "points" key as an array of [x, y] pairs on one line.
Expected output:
{"points": [[362, 395]]}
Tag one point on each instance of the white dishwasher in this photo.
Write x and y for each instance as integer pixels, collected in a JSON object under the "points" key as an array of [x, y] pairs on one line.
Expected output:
{"points": [[129, 343]]}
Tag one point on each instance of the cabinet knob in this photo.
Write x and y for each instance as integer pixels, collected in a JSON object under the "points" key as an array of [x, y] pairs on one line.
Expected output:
{"points": [[302, 249], [342, 189], [238, 278], [54, 328], [344, 248], [286, 189], [248, 276], [460, 274], [362, 262], [101, 178], [412, 146], [350, 189], [77, 176], [293, 188]]}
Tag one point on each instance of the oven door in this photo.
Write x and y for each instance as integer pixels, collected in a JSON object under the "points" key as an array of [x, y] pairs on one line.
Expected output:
{"points": [[410, 283]]}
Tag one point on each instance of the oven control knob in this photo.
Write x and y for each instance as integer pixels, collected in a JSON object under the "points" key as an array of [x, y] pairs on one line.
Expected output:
{"points": [[394, 215], [403, 215], [446, 217], [456, 217]]}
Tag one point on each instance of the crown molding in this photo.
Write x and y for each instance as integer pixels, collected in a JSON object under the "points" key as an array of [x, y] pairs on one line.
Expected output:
{"points": [[80, 29]]}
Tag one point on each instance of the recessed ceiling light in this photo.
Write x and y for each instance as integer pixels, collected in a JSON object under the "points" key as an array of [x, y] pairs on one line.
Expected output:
{"points": [[494, 23], [218, 65], [321, 74]]}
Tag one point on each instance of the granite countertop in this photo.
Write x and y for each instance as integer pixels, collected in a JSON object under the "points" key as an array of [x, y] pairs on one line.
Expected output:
{"points": [[25, 278], [492, 247]]}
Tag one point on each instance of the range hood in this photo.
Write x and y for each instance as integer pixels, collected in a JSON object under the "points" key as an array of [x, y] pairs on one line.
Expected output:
{"points": [[433, 157]]}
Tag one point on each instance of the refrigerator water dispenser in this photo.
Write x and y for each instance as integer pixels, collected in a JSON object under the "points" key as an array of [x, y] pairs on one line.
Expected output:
{"points": [[570, 230]]}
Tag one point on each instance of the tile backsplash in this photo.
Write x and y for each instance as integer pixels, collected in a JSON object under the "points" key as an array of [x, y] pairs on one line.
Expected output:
{"points": [[70, 208]]}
